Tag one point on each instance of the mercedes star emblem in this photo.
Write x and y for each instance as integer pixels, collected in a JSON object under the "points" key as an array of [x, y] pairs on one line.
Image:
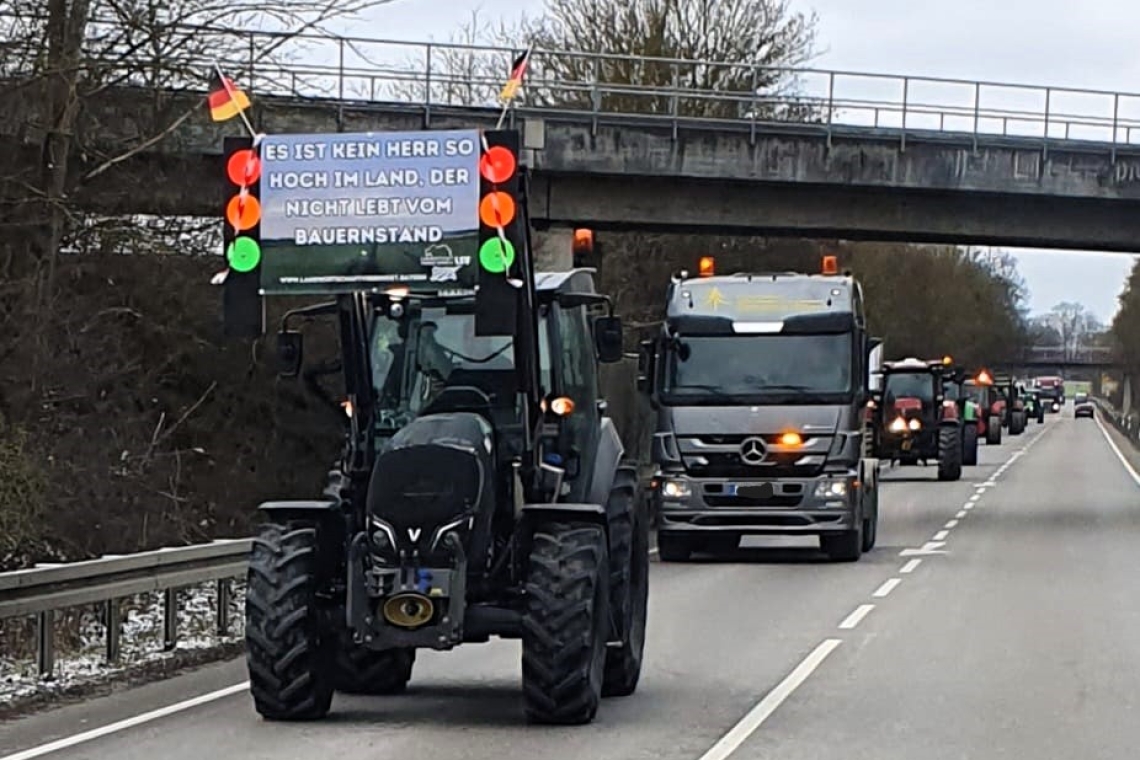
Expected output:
{"points": [[752, 451]]}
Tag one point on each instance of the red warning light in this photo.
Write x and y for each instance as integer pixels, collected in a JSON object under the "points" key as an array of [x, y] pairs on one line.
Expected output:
{"points": [[497, 209], [497, 165], [831, 265], [243, 213], [243, 168]]}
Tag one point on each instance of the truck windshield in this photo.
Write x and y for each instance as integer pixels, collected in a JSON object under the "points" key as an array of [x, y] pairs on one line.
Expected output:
{"points": [[415, 358], [791, 369]]}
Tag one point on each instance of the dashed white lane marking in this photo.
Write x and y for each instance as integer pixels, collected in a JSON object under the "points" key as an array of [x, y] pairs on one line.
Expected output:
{"points": [[951, 524], [886, 588], [941, 535], [910, 566], [961, 513], [930, 547], [856, 617], [968, 505], [1119, 454], [976, 497], [95, 733], [763, 710]]}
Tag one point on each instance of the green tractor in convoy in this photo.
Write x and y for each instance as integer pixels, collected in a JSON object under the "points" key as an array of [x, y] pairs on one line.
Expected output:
{"points": [[969, 409], [482, 489], [915, 421]]}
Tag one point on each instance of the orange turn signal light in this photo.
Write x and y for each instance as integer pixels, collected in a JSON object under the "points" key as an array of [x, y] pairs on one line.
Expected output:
{"points": [[561, 406]]}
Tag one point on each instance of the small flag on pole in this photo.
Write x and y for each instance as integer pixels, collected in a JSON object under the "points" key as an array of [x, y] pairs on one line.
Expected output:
{"points": [[514, 82], [225, 99]]}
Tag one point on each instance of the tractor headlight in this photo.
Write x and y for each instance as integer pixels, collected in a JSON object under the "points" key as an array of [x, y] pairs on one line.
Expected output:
{"points": [[914, 425], [898, 425]]}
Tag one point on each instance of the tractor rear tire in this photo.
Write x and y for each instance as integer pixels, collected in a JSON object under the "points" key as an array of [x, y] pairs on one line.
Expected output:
{"points": [[363, 671], [289, 657], [1016, 423], [970, 444], [993, 431], [950, 452], [566, 623], [629, 585]]}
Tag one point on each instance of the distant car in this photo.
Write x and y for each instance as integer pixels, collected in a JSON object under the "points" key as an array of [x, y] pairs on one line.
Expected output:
{"points": [[1082, 406]]}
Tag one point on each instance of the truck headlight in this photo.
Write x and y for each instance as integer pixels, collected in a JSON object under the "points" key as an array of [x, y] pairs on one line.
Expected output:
{"points": [[831, 489], [676, 489]]}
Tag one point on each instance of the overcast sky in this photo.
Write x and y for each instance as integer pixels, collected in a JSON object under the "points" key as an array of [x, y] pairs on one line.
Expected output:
{"points": [[1082, 45]]}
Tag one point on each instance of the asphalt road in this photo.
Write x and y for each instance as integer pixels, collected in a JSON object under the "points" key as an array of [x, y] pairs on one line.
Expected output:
{"points": [[996, 618]]}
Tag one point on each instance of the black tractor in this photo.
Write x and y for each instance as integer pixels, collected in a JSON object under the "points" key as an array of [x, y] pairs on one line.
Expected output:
{"points": [[914, 420], [1015, 416], [481, 492]]}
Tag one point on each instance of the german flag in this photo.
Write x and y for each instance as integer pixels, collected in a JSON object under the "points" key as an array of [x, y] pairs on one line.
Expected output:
{"points": [[514, 82], [225, 99]]}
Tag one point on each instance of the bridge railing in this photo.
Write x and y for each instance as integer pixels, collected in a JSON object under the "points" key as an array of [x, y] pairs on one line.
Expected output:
{"points": [[611, 86], [43, 591]]}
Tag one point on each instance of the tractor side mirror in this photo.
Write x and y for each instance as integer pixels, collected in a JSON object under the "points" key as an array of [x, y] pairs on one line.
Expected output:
{"points": [[608, 339], [290, 350]]}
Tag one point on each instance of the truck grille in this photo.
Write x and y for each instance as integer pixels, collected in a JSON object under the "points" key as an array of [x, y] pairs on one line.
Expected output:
{"points": [[719, 456]]}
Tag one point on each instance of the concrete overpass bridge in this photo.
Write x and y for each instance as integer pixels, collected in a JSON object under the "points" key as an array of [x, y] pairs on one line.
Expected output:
{"points": [[616, 148]]}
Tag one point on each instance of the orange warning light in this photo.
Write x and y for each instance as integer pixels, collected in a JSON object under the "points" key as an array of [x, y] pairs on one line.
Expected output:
{"points": [[583, 241], [497, 209], [243, 212], [707, 266], [831, 265], [984, 378], [497, 165]]}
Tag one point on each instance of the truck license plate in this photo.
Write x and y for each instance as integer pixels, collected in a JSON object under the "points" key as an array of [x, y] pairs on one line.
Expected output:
{"points": [[749, 490]]}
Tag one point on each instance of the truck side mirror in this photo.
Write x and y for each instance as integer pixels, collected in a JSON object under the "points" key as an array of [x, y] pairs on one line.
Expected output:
{"points": [[290, 350], [645, 366], [608, 339]]}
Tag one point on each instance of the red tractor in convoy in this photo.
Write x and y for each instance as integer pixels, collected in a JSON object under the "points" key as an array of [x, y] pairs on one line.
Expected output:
{"points": [[913, 419]]}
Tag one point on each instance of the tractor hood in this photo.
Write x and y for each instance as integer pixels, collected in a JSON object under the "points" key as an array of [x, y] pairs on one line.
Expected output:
{"points": [[712, 440], [908, 405]]}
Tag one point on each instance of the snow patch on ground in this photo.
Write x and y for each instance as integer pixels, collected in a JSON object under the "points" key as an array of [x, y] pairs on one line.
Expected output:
{"points": [[81, 635]]}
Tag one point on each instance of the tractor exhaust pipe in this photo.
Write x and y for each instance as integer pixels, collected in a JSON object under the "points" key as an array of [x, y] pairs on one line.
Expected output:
{"points": [[408, 610]]}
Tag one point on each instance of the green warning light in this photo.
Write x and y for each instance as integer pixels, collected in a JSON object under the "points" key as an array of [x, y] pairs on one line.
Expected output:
{"points": [[244, 254], [496, 255]]}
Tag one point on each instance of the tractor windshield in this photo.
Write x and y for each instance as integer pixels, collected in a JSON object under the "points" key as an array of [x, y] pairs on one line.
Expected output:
{"points": [[783, 369], [919, 385], [416, 360]]}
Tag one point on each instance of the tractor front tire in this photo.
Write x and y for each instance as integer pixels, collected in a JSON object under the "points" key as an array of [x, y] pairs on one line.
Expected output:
{"points": [[289, 657], [950, 452], [362, 671], [993, 431], [566, 623], [970, 444], [629, 585]]}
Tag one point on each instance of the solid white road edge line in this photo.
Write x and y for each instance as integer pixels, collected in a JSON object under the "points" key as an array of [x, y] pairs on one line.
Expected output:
{"points": [[1119, 454], [856, 617], [910, 566], [886, 588], [763, 710], [95, 733]]}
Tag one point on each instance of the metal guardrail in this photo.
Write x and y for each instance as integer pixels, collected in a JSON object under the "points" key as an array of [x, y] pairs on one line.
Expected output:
{"points": [[42, 591], [606, 86]]}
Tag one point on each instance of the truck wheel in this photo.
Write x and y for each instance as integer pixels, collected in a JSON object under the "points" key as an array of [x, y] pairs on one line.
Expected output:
{"points": [[970, 444], [289, 659], [993, 431], [949, 452], [673, 548], [362, 671], [844, 547], [566, 623], [871, 528], [629, 586]]}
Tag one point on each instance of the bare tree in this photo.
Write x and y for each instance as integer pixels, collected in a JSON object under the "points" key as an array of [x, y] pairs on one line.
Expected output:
{"points": [[725, 59]]}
